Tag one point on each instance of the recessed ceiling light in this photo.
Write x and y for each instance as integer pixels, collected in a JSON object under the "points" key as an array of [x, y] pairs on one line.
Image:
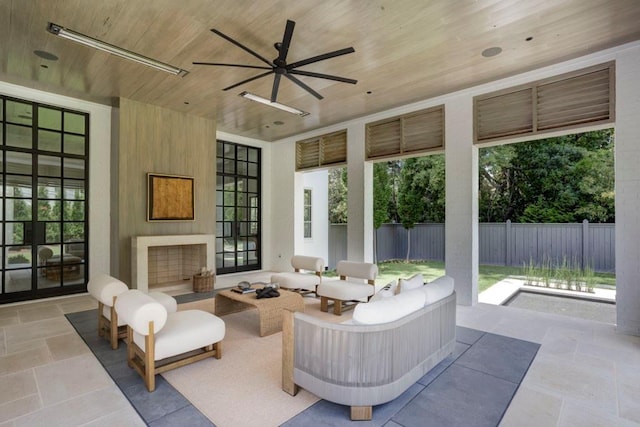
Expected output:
{"points": [[44, 66], [529, 39], [45, 55], [278, 123], [369, 92], [491, 51]]}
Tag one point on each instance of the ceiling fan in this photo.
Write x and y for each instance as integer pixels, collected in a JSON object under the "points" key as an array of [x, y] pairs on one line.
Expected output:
{"points": [[279, 66]]}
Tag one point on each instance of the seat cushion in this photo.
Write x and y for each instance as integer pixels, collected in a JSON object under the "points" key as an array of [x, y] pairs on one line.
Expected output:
{"points": [[292, 280], [344, 290], [185, 331]]}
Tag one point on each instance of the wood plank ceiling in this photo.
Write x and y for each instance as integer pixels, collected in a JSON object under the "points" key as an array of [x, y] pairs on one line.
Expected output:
{"points": [[405, 51]]}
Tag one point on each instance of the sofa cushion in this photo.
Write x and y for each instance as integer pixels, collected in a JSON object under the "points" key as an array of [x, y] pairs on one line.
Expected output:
{"points": [[387, 292], [388, 309], [414, 282], [185, 331], [438, 289]]}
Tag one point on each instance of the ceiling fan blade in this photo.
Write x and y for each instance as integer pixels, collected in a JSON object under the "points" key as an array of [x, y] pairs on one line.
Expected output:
{"points": [[321, 57], [303, 86], [276, 85], [248, 80], [241, 46], [232, 65], [324, 76], [286, 41]]}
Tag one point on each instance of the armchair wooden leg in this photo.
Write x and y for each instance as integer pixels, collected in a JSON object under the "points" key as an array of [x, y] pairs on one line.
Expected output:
{"points": [[337, 307], [113, 328], [130, 349], [324, 304], [218, 350], [361, 413], [149, 360], [101, 320]]}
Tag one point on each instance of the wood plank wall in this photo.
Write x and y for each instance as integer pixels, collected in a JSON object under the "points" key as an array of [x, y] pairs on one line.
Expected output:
{"points": [[148, 138]]}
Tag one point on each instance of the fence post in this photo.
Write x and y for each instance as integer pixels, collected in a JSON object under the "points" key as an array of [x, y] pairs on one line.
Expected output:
{"points": [[585, 243], [508, 242]]}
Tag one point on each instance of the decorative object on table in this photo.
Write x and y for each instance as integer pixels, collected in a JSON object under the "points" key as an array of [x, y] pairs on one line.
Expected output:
{"points": [[269, 290], [244, 287], [204, 280]]}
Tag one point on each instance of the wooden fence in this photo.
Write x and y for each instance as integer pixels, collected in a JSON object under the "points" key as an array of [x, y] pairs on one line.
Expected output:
{"points": [[499, 243]]}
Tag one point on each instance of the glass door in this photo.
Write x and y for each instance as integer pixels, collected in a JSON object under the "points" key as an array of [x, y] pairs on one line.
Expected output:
{"points": [[237, 208], [44, 179]]}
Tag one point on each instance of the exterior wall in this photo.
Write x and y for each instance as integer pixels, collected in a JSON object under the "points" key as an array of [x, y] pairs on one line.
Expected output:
{"points": [[627, 159], [318, 244], [99, 169]]}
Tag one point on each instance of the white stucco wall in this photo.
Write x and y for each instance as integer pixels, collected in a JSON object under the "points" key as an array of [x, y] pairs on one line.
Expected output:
{"points": [[99, 170], [318, 244]]}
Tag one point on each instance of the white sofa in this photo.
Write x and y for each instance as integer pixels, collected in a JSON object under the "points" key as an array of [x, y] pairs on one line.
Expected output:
{"points": [[389, 344], [158, 341], [105, 289], [356, 283], [305, 278]]}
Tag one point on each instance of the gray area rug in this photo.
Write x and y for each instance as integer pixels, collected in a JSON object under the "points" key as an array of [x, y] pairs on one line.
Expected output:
{"points": [[473, 386]]}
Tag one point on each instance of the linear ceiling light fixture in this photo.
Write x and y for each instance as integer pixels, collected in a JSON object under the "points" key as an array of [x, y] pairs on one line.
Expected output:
{"points": [[278, 105], [114, 50]]}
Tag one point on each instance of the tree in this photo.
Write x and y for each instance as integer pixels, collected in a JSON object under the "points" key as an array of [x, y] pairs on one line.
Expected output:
{"points": [[338, 196], [381, 199], [410, 199]]}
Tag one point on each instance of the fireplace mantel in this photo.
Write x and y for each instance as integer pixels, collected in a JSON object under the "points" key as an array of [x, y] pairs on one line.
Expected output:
{"points": [[140, 253]]}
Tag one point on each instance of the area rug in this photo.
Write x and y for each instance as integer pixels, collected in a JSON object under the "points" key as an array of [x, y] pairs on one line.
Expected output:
{"points": [[474, 386]]}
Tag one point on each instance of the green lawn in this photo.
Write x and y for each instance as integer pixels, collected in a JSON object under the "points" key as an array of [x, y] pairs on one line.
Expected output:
{"points": [[487, 277]]}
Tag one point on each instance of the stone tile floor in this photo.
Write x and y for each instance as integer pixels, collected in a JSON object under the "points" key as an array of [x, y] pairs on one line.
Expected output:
{"points": [[584, 373]]}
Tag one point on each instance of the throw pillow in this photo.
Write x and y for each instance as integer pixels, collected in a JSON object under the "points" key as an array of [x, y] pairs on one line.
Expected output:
{"points": [[387, 292], [388, 309], [414, 282]]}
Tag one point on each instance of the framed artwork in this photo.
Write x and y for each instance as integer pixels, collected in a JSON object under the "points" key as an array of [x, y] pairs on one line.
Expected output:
{"points": [[170, 198]]}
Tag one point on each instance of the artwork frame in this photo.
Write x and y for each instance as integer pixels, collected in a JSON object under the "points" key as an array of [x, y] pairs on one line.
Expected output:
{"points": [[170, 198]]}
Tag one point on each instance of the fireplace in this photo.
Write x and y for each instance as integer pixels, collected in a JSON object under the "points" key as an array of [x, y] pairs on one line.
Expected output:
{"points": [[164, 260]]}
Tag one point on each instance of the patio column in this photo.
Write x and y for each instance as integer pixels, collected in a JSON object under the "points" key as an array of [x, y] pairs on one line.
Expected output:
{"points": [[461, 188], [359, 197], [627, 158]]}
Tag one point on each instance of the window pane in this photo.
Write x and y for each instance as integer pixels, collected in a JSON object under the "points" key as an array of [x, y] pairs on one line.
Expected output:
{"points": [[18, 163], [49, 118], [74, 189], [253, 155], [14, 233], [52, 232], [74, 211], [16, 281], [49, 141], [219, 164], [49, 166], [253, 170], [74, 123], [253, 186], [242, 153], [73, 168], [18, 136], [18, 209], [74, 144], [49, 188], [219, 149], [230, 166], [48, 210], [229, 151], [307, 230], [242, 168], [73, 231], [18, 257], [18, 186], [19, 112]]}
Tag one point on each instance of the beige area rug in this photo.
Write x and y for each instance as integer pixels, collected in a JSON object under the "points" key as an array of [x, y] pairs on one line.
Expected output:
{"points": [[243, 388]]}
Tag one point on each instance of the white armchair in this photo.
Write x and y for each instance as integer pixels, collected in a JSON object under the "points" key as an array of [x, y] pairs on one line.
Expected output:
{"points": [[305, 278], [154, 336], [356, 284]]}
